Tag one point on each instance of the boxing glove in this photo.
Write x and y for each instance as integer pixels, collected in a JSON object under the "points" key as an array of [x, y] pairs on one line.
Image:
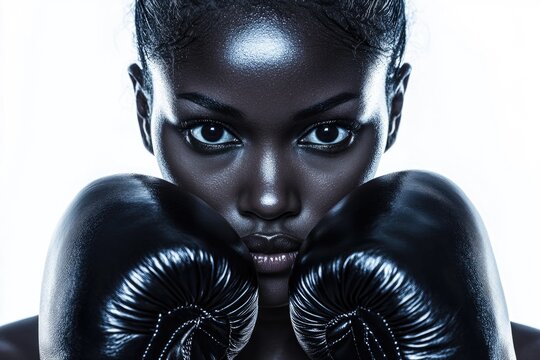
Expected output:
{"points": [[401, 268], [141, 270]]}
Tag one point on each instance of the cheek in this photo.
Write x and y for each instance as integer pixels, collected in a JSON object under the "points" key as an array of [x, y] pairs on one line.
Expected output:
{"points": [[319, 181], [328, 179], [202, 175]]}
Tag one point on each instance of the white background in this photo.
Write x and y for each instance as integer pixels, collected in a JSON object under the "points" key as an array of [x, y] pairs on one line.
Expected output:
{"points": [[67, 117]]}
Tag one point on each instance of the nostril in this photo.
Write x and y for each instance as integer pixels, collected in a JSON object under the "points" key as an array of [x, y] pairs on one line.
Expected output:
{"points": [[269, 206]]}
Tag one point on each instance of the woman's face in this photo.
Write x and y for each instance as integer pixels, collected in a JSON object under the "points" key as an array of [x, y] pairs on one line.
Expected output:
{"points": [[271, 121]]}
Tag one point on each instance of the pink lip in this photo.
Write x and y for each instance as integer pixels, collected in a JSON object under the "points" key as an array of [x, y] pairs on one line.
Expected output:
{"points": [[272, 253]]}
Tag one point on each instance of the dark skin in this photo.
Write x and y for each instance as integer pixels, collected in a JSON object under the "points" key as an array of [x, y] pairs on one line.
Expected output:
{"points": [[276, 174], [267, 173], [273, 176], [304, 124]]}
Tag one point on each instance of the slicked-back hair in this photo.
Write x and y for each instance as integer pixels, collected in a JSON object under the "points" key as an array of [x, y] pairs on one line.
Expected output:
{"points": [[375, 27]]}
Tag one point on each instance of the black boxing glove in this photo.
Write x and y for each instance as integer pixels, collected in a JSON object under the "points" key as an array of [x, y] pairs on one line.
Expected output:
{"points": [[141, 270], [401, 268]]}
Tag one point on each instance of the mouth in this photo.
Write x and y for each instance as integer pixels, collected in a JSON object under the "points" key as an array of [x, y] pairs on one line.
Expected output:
{"points": [[272, 253]]}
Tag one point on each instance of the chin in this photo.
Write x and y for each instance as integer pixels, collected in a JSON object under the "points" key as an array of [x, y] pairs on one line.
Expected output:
{"points": [[273, 290]]}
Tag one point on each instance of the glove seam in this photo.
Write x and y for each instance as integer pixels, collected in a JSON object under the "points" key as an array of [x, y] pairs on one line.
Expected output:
{"points": [[355, 313], [205, 313]]}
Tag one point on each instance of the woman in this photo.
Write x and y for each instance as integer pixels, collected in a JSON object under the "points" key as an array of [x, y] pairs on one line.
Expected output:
{"points": [[270, 117], [271, 112]]}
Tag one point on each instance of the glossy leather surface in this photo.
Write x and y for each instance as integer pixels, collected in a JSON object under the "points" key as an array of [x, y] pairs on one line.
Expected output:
{"points": [[400, 269], [19, 340], [139, 269]]}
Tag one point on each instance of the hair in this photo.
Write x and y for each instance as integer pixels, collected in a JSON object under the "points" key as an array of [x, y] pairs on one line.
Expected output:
{"points": [[375, 27]]}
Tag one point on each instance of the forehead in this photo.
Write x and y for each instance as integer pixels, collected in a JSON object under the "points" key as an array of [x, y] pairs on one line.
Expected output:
{"points": [[245, 56]]}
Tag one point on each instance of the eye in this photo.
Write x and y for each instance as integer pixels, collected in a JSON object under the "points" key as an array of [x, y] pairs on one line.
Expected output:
{"points": [[327, 134], [212, 134]]}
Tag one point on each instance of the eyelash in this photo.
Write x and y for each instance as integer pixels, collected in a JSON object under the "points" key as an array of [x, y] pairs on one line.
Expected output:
{"points": [[352, 127], [187, 128]]}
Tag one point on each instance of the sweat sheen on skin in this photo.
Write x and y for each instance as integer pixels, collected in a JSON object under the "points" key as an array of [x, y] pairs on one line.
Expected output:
{"points": [[268, 71]]}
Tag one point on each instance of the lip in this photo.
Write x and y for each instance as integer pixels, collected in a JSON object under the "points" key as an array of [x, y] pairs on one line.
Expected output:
{"points": [[272, 253]]}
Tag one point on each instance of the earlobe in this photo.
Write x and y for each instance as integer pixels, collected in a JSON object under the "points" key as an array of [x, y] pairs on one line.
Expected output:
{"points": [[142, 100], [396, 104]]}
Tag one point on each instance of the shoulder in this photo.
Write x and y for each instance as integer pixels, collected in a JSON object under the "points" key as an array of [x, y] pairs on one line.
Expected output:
{"points": [[526, 342], [19, 340]]}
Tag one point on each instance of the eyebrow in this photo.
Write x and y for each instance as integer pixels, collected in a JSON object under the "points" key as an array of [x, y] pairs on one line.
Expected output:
{"points": [[228, 110], [210, 104], [325, 105]]}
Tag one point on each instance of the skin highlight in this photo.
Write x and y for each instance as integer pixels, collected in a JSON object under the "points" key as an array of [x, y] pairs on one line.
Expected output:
{"points": [[273, 337], [271, 126]]}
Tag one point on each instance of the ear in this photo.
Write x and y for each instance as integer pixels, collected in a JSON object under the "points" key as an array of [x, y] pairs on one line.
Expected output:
{"points": [[143, 102], [396, 103]]}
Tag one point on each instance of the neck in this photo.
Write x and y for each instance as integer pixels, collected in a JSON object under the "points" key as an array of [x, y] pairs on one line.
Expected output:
{"points": [[274, 314], [273, 337]]}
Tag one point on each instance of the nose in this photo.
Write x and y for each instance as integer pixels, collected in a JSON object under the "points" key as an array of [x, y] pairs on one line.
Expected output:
{"points": [[270, 189]]}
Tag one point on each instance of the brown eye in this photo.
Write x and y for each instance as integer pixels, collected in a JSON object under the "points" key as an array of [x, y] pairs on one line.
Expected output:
{"points": [[212, 134], [328, 134]]}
